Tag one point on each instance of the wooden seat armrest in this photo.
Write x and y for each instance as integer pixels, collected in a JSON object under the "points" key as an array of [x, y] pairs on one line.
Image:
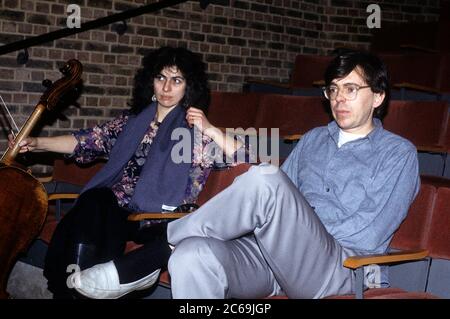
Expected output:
{"points": [[407, 85], [417, 48], [132, 217], [159, 215], [431, 148], [248, 132], [45, 179], [292, 137], [318, 83], [271, 83], [355, 262], [56, 196]]}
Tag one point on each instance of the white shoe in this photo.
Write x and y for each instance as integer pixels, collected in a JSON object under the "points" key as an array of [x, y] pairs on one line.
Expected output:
{"points": [[102, 282]]}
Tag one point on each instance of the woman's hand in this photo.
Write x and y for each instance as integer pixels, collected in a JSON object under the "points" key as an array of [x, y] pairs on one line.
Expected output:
{"points": [[28, 144], [196, 117], [61, 144]]}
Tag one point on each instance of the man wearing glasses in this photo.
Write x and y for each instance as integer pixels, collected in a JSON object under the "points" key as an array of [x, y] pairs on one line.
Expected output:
{"points": [[343, 191]]}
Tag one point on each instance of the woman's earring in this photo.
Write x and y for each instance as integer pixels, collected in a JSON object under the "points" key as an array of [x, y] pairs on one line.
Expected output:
{"points": [[154, 98]]}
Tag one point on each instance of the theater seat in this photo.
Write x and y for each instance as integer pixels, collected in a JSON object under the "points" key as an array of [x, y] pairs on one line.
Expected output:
{"points": [[411, 237], [217, 181]]}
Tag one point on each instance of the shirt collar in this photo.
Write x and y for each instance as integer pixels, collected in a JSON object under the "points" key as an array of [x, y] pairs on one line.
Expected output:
{"points": [[333, 129]]}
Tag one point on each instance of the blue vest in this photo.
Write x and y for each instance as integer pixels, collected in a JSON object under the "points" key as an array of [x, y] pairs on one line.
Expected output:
{"points": [[161, 180]]}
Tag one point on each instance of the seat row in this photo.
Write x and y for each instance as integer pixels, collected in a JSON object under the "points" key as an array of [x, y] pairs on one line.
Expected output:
{"points": [[424, 123], [414, 75], [426, 36], [419, 75], [425, 229], [419, 263]]}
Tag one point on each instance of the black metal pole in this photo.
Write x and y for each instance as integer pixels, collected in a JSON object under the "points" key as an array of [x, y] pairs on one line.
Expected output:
{"points": [[11, 47]]}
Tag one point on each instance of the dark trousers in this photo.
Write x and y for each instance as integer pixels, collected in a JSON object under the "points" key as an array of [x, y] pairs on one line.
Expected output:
{"points": [[97, 221]]}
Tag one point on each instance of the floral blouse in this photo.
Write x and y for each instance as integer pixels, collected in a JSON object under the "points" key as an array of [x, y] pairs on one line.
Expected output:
{"points": [[97, 142]]}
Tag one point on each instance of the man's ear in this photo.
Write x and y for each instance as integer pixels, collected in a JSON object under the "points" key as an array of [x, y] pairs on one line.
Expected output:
{"points": [[379, 98]]}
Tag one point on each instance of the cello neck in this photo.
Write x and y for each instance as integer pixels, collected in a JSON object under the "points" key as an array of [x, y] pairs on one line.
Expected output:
{"points": [[11, 153]]}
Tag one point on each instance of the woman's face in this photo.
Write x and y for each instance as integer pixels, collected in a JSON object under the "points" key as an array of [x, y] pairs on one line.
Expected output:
{"points": [[169, 87]]}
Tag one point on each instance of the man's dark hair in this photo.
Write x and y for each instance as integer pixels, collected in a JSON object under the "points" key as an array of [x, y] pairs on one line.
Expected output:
{"points": [[374, 73], [197, 92]]}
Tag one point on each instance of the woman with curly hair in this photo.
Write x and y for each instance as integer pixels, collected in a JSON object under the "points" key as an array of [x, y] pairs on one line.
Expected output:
{"points": [[170, 93]]}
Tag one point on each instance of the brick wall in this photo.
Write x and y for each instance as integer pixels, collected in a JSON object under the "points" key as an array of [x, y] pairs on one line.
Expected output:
{"points": [[236, 38]]}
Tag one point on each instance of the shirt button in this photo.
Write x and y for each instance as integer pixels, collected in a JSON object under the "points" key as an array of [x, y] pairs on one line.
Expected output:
{"points": [[327, 189]]}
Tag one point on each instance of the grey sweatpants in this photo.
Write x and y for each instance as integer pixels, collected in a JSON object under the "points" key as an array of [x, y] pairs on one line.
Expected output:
{"points": [[259, 237]]}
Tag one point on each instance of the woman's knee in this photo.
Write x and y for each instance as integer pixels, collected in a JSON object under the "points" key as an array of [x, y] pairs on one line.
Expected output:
{"points": [[97, 194]]}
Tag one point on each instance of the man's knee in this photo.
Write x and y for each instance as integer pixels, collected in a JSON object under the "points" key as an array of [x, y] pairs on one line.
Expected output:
{"points": [[265, 174], [192, 253]]}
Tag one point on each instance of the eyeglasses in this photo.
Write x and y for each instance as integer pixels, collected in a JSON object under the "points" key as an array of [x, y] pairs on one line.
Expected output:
{"points": [[349, 91]]}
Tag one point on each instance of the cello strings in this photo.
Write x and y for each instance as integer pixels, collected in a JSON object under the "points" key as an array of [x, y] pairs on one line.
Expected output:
{"points": [[10, 116]]}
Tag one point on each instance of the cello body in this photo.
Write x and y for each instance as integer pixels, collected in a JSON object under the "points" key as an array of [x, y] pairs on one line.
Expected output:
{"points": [[23, 199], [21, 217]]}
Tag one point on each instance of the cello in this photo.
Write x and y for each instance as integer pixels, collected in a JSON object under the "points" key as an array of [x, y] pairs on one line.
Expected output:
{"points": [[23, 199]]}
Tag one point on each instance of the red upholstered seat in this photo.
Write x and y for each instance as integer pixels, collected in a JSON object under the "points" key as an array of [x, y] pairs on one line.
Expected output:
{"points": [[217, 181], [424, 123], [439, 234], [443, 82], [71, 173], [48, 228], [414, 233], [396, 66], [425, 70], [414, 230], [371, 293], [233, 109], [292, 114], [77, 174], [308, 69], [389, 293]]}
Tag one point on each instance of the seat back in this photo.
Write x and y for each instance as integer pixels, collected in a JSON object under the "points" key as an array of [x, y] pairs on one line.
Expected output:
{"points": [[233, 109], [414, 230], [67, 177], [439, 246], [308, 69], [73, 173], [396, 67], [443, 33], [218, 180], [443, 83], [424, 123], [292, 114], [425, 70], [439, 233], [392, 36], [412, 235]]}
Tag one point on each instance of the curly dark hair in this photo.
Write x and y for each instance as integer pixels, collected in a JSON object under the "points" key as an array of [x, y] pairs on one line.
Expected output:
{"points": [[375, 73], [197, 92]]}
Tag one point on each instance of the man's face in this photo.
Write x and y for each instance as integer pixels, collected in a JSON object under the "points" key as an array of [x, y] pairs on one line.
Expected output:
{"points": [[354, 116]]}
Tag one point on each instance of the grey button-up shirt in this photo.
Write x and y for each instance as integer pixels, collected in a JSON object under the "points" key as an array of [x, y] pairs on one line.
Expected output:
{"points": [[361, 191]]}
